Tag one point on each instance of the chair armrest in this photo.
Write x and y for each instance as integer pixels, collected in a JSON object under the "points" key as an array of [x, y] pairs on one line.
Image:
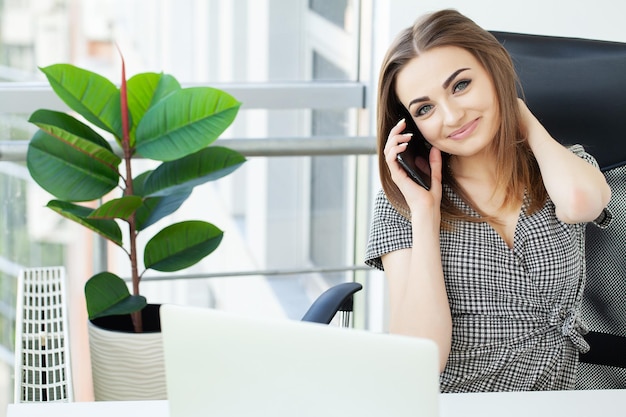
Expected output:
{"points": [[334, 299], [606, 349]]}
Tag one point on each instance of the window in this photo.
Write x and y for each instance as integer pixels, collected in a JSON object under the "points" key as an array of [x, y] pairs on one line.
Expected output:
{"points": [[280, 213]]}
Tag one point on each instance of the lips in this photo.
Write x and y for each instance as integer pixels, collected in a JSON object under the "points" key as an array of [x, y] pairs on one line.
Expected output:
{"points": [[464, 131]]}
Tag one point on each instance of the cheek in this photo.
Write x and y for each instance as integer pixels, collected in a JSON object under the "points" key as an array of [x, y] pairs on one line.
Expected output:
{"points": [[489, 107], [430, 129]]}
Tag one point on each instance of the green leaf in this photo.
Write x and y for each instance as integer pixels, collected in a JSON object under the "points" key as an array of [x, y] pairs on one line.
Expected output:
{"points": [[107, 294], [181, 245], [144, 90], [185, 122], [119, 208], [69, 166], [154, 209], [205, 165], [73, 131], [91, 95], [108, 229]]}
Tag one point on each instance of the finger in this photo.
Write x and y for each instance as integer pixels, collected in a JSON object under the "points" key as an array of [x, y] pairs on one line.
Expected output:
{"points": [[395, 131], [396, 145], [397, 141], [436, 163], [398, 128]]}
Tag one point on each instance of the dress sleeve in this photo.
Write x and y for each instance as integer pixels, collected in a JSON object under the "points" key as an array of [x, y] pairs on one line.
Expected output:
{"points": [[604, 219], [389, 231]]}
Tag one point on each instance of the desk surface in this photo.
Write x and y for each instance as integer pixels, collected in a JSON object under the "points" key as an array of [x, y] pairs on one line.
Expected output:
{"points": [[603, 403]]}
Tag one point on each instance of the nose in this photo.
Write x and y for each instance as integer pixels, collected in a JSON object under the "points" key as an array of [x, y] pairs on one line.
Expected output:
{"points": [[452, 113]]}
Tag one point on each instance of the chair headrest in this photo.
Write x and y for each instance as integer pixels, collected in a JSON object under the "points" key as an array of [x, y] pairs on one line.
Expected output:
{"points": [[576, 88]]}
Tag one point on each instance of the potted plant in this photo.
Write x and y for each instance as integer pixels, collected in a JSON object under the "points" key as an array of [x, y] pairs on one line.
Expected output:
{"points": [[149, 116]]}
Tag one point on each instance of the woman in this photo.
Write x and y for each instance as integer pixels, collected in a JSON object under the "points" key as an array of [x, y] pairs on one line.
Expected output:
{"points": [[489, 261]]}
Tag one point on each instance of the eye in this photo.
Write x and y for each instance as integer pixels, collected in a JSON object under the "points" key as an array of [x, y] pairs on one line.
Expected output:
{"points": [[424, 110], [461, 85]]}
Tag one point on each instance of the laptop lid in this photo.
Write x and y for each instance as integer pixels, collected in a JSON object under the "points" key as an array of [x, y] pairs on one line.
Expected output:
{"points": [[226, 365]]}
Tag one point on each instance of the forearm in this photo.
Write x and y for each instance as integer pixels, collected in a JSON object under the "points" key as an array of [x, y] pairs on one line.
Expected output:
{"points": [[418, 299]]}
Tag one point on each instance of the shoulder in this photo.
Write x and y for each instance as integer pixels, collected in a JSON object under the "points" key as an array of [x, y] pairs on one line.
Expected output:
{"points": [[389, 231], [386, 215]]}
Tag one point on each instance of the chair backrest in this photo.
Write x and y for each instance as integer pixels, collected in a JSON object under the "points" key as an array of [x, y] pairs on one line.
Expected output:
{"points": [[42, 354], [575, 88]]}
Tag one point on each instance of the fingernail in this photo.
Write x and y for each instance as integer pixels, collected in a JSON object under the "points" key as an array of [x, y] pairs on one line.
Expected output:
{"points": [[401, 120]]}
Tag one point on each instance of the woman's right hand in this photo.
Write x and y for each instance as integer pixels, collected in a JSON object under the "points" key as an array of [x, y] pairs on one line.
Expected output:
{"points": [[417, 197]]}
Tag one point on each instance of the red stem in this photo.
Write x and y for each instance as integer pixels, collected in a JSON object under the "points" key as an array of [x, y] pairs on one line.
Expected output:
{"points": [[132, 228]]}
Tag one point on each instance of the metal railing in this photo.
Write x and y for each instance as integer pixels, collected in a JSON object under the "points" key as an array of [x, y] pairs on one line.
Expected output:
{"points": [[26, 97], [263, 272], [289, 146]]}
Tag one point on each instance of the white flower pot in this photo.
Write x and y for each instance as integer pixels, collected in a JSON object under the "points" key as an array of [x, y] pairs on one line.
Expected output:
{"points": [[126, 366]]}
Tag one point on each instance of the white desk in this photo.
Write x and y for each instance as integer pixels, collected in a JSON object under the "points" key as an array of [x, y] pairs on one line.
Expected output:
{"points": [[91, 409], [610, 403]]}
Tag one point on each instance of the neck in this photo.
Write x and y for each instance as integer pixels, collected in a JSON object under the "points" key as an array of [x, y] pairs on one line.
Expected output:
{"points": [[475, 168]]}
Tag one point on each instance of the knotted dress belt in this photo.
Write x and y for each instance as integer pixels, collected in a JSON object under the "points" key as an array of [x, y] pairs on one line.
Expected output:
{"points": [[571, 326]]}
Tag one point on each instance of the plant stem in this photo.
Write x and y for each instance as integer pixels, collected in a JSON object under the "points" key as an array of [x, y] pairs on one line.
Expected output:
{"points": [[132, 227], [132, 231]]}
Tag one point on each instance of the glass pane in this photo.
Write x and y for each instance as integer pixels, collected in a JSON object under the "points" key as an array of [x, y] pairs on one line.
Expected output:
{"points": [[329, 191], [286, 214], [333, 10], [196, 41]]}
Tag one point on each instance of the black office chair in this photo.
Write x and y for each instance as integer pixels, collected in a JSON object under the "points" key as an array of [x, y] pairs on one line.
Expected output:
{"points": [[576, 88], [335, 300]]}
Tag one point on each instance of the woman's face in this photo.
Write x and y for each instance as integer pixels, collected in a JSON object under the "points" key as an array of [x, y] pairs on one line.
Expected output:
{"points": [[452, 99]]}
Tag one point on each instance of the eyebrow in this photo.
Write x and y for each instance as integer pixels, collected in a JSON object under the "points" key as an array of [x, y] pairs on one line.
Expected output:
{"points": [[445, 85]]}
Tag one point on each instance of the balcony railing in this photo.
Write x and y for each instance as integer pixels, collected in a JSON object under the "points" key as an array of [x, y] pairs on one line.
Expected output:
{"points": [[24, 98]]}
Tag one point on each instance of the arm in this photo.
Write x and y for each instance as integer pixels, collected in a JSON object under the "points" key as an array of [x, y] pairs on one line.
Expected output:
{"points": [[418, 299], [577, 188]]}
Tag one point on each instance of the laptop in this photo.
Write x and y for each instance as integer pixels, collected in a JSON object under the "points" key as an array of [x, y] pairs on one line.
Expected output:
{"points": [[227, 365]]}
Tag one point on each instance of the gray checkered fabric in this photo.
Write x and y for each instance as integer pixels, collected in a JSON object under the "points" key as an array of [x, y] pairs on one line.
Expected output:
{"points": [[515, 312], [604, 299]]}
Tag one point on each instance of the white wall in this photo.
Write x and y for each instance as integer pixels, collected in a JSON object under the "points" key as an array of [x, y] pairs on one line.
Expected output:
{"points": [[598, 19]]}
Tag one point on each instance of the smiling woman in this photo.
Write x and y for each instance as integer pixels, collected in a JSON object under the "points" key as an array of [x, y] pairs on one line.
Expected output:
{"points": [[489, 262]]}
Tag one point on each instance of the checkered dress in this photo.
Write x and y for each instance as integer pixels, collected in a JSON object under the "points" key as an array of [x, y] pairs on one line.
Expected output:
{"points": [[515, 312]]}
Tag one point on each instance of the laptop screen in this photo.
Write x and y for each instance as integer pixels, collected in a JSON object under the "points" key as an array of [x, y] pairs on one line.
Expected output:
{"points": [[226, 365]]}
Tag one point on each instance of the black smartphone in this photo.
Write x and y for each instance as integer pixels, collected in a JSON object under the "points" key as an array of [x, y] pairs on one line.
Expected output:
{"points": [[415, 158]]}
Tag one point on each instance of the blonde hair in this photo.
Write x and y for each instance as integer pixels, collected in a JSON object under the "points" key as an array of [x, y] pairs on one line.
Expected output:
{"points": [[517, 170]]}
